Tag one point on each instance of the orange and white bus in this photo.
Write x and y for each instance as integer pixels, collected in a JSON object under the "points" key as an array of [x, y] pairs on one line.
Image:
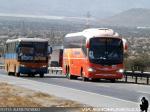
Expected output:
{"points": [[26, 56], [94, 54]]}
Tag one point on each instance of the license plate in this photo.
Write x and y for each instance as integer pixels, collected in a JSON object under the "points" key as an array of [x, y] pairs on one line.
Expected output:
{"points": [[105, 74]]}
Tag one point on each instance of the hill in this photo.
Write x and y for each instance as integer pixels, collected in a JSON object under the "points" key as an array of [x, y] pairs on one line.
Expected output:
{"points": [[133, 17]]}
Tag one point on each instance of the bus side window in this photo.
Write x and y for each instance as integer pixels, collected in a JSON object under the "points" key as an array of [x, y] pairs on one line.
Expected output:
{"points": [[84, 46]]}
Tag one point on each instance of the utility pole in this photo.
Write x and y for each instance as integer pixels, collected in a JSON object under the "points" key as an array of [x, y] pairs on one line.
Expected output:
{"points": [[88, 16]]}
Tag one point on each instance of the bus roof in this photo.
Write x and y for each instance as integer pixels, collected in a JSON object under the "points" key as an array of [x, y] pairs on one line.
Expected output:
{"points": [[95, 32], [26, 40]]}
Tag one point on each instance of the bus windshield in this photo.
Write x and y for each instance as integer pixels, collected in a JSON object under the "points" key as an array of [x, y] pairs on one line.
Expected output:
{"points": [[106, 51], [32, 51]]}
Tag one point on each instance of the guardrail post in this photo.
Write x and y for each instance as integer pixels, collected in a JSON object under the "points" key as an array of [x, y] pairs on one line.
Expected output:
{"points": [[147, 80], [136, 80], [132, 72], [141, 75], [126, 78]]}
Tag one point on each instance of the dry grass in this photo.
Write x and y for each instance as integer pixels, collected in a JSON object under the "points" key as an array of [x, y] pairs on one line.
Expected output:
{"points": [[12, 96]]}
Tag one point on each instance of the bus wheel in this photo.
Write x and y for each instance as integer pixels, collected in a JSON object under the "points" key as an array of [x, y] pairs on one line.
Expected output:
{"points": [[17, 74], [9, 73], [95, 80], [29, 75], [83, 77], [74, 77], [66, 72], [41, 75], [69, 76], [113, 80], [32, 75]]}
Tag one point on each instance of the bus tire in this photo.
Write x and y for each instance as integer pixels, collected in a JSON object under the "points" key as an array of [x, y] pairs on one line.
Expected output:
{"points": [[29, 75], [17, 74], [83, 77], [42, 75], [9, 73], [74, 77], [66, 71], [69, 76], [95, 80], [113, 80], [33, 75]]}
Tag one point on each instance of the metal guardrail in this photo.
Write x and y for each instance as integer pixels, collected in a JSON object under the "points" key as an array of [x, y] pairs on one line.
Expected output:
{"points": [[137, 74], [55, 69]]}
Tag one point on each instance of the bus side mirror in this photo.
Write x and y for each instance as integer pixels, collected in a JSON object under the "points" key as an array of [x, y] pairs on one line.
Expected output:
{"points": [[87, 45], [17, 49], [125, 45], [50, 50]]}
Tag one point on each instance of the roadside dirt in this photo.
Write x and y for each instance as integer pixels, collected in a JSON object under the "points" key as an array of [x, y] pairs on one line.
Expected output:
{"points": [[12, 96]]}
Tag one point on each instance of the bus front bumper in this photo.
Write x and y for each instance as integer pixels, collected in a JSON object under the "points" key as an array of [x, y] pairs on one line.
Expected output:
{"points": [[26, 70], [105, 76]]}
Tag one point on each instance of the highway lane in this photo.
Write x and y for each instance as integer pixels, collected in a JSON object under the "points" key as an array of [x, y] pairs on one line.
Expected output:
{"points": [[128, 92]]}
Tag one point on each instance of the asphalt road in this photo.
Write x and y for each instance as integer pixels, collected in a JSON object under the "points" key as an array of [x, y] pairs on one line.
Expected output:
{"points": [[119, 90]]}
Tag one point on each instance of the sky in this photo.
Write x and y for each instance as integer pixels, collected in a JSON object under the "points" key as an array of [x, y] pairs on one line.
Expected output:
{"points": [[97, 8]]}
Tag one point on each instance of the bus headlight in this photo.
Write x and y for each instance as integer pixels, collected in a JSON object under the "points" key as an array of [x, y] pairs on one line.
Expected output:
{"points": [[121, 71], [91, 70]]}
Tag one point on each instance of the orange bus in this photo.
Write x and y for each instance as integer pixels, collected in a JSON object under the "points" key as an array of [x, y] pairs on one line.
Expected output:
{"points": [[26, 56], [95, 53]]}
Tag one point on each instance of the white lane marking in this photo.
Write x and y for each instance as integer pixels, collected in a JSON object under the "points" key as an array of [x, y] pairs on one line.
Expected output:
{"points": [[114, 98]]}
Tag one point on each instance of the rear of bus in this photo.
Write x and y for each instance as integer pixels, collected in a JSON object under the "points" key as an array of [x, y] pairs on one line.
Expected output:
{"points": [[31, 57]]}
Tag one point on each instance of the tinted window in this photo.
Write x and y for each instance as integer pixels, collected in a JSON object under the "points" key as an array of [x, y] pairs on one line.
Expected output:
{"points": [[106, 51]]}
